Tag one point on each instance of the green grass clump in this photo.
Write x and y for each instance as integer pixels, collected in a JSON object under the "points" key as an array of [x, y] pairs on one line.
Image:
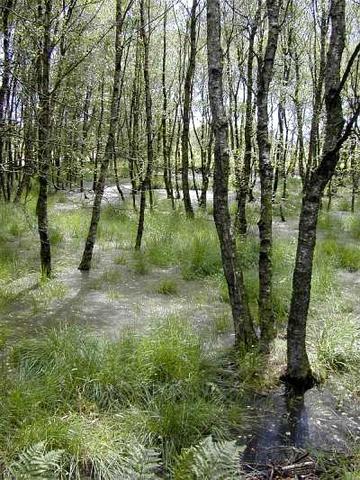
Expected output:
{"points": [[7, 295], [283, 258], [17, 236], [171, 239], [72, 224], [120, 260], [344, 204], [140, 263], [352, 226], [110, 278], [116, 226], [90, 446], [349, 258], [55, 236], [15, 221], [328, 223], [4, 333], [283, 264], [48, 290], [248, 252], [160, 247], [339, 254], [222, 323], [252, 371], [96, 400], [200, 257], [340, 465], [167, 287], [336, 343]]}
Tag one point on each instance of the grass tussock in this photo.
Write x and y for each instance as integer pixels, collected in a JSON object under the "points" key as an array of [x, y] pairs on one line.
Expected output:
{"points": [[339, 465], [335, 342], [96, 401], [140, 263], [339, 254], [173, 240], [167, 286], [222, 323], [352, 226], [17, 231]]}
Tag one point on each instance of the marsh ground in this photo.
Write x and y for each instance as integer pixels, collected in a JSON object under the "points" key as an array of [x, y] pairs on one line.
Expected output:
{"points": [[178, 276]]}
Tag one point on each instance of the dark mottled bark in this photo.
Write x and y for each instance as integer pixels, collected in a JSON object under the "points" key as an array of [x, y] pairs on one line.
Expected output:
{"points": [[354, 168], [164, 121], [318, 98], [85, 263], [146, 182], [244, 332], [243, 182], [29, 134], [298, 367], [134, 124], [44, 147], [5, 84], [299, 120], [265, 74], [99, 135], [85, 131], [188, 87]]}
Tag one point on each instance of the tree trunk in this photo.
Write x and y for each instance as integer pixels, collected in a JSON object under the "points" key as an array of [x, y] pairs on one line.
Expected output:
{"points": [[188, 87], [85, 131], [299, 120], [244, 331], [4, 89], [298, 367], [146, 182], [354, 168], [266, 67], [134, 124], [318, 89], [44, 147], [243, 182], [164, 121], [85, 263]]}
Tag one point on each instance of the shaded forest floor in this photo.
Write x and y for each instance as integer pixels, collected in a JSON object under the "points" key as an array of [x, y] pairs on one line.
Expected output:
{"points": [[173, 294]]}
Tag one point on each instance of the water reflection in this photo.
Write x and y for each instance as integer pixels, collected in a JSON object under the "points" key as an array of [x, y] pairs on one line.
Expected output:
{"points": [[282, 425]]}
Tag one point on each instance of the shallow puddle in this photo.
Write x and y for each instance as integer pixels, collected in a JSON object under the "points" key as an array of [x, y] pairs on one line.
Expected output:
{"points": [[280, 431]]}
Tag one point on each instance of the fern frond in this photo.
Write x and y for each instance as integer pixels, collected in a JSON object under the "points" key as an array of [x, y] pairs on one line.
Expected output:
{"points": [[36, 463], [210, 460], [143, 463]]}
